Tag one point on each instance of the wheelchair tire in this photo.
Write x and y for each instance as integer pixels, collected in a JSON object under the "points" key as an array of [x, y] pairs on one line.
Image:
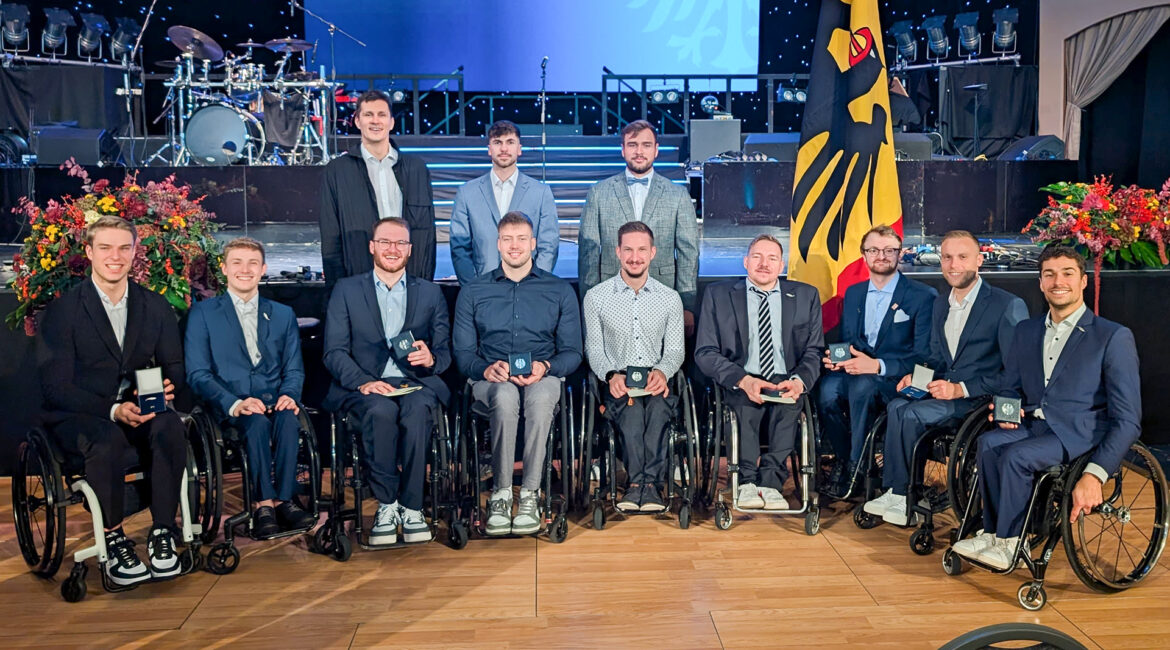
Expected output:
{"points": [[40, 517], [190, 560], [722, 516], [458, 534], [961, 460], [73, 588], [812, 521], [863, 519], [558, 530], [922, 541], [206, 465], [598, 517], [223, 558], [684, 516], [1032, 596], [342, 549], [952, 563]]}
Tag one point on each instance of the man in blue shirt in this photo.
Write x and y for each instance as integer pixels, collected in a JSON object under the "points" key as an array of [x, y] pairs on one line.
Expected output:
{"points": [[517, 309]]}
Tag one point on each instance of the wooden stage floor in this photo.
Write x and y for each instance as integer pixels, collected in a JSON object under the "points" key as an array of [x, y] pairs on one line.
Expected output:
{"points": [[639, 583]]}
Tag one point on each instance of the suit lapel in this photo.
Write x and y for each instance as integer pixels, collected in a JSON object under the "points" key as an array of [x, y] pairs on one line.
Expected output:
{"points": [[622, 194], [263, 316], [134, 317], [1079, 332], [522, 183], [888, 320], [489, 196], [93, 306], [411, 291], [653, 193], [978, 309], [787, 315], [236, 330], [739, 304], [938, 326], [370, 294]]}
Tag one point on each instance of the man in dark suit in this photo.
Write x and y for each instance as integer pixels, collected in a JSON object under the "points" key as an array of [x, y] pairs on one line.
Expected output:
{"points": [[886, 322], [762, 334], [971, 333], [366, 313], [96, 335], [1077, 376], [243, 356], [374, 181]]}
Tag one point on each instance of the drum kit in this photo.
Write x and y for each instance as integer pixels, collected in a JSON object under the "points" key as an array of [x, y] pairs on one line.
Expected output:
{"points": [[241, 113]]}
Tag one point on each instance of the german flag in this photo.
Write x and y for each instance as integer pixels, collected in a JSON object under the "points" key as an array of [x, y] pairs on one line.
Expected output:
{"points": [[846, 180]]}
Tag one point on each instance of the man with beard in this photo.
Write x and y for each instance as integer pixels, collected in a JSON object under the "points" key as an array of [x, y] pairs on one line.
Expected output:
{"points": [[886, 322], [367, 313], [480, 203], [971, 333], [639, 194], [371, 182], [633, 320], [517, 309], [758, 334], [1077, 377]]}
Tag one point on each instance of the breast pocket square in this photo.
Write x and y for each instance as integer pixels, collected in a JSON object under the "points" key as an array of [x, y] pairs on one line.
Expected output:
{"points": [[901, 316]]}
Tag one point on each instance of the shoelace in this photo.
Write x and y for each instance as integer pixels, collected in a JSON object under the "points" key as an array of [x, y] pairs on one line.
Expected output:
{"points": [[123, 549], [162, 546], [413, 517], [385, 517], [528, 504], [500, 507]]}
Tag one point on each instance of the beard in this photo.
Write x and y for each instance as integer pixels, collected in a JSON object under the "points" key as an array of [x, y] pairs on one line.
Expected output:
{"points": [[390, 266], [965, 280], [883, 268], [634, 168], [507, 261]]}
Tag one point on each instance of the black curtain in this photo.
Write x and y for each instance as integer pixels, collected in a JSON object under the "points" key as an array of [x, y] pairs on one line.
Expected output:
{"points": [[1007, 108], [1125, 133], [59, 93]]}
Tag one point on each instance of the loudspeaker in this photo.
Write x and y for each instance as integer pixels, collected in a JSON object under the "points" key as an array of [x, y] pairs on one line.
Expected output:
{"points": [[54, 145], [912, 146], [781, 146], [1035, 147], [713, 137]]}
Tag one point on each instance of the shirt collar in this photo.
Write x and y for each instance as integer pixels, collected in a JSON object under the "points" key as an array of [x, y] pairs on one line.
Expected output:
{"points": [[751, 285], [240, 302], [1069, 322], [970, 298], [649, 177], [511, 179], [106, 299], [391, 155], [382, 285], [498, 273], [619, 285], [890, 286]]}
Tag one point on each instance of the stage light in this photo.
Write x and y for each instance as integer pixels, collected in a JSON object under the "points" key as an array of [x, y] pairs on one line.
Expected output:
{"points": [[970, 40], [791, 95], [709, 104], [937, 41], [56, 22], [1004, 40], [93, 27], [664, 96], [123, 39], [15, 26], [903, 33], [397, 96]]}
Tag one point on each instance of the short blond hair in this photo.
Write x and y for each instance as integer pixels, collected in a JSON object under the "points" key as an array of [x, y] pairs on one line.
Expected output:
{"points": [[245, 243], [766, 237], [107, 222]]}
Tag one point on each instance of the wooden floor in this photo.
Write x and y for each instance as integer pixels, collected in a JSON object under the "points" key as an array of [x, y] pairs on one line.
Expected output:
{"points": [[639, 583]]}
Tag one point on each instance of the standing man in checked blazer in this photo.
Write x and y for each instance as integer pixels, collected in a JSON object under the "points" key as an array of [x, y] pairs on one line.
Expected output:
{"points": [[483, 201], [638, 194]]}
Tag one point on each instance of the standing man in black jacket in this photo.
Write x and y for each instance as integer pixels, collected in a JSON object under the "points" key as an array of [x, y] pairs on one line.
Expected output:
{"points": [[372, 182]]}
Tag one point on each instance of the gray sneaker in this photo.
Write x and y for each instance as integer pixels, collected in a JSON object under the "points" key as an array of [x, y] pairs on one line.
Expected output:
{"points": [[414, 527], [385, 529], [500, 513], [651, 499], [527, 519]]}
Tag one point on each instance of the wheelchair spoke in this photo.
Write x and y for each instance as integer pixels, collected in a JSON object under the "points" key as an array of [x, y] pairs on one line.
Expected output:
{"points": [[1139, 493]]}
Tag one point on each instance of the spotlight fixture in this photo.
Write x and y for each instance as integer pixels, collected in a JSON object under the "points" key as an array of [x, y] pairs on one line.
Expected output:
{"points": [[123, 39], [15, 27], [53, 36], [1004, 39], [397, 96], [791, 95], [903, 33], [937, 41], [970, 40], [89, 41], [664, 96]]}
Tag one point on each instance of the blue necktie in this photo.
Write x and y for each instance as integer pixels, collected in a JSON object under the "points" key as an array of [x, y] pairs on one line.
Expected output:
{"points": [[630, 180]]}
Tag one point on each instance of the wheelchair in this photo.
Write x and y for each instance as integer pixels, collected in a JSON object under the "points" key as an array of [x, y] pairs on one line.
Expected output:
{"points": [[347, 462], [229, 454], [682, 455], [1103, 557], [942, 469], [474, 444], [46, 481], [723, 435]]}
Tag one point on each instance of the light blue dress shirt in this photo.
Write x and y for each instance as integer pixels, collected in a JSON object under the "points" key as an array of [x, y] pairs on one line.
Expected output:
{"points": [[639, 192], [877, 302], [392, 305], [752, 364]]}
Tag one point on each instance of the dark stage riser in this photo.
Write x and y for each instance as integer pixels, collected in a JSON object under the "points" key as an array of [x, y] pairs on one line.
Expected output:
{"points": [[1133, 298]]}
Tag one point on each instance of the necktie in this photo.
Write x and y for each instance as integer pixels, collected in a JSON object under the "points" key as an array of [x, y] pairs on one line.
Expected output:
{"points": [[645, 180], [767, 356]]}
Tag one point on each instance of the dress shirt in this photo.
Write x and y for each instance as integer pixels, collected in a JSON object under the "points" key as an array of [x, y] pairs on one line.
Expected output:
{"points": [[752, 364], [627, 328], [386, 191], [117, 315], [248, 312], [639, 191], [877, 302], [504, 191], [392, 306], [957, 320], [496, 317]]}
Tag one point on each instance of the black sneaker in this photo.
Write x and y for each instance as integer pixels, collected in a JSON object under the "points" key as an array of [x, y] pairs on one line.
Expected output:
{"points": [[291, 517], [123, 567], [264, 522], [164, 561]]}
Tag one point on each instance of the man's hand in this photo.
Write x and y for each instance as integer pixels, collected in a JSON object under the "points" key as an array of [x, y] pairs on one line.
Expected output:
{"points": [[286, 403], [904, 382], [791, 388], [421, 356], [1002, 425], [617, 385], [538, 371], [943, 389], [656, 383], [751, 387], [249, 406], [829, 365], [376, 387], [688, 323], [168, 390], [497, 373], [127, 413], [860, 364], [1086, 496]]}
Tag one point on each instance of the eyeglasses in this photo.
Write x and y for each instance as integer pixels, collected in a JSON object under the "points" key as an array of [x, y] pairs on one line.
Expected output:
{"points": [[388, 243], [884, 252]]}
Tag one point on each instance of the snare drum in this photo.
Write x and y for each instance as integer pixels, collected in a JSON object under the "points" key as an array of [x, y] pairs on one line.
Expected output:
{"points": [[244, 80], [220, 134]]}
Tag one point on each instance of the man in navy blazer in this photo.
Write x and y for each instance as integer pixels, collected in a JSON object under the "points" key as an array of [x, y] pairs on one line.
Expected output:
{"points": [[481, 202], [243, 357], [367, 312], [737, 346], [886, 322], [971, 333], [1077, 377]]}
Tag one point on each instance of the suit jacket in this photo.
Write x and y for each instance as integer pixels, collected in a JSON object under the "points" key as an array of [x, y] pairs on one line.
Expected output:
{"points": [[668, 212], [219, 368], [355, 340], [475, 216], [81, 365], [984, 344], [721, 340], [899, 345], [349, 209], [1093, 398]]}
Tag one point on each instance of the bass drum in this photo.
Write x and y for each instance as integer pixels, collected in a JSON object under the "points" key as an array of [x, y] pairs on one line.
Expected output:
{"points": [[221, 135]]}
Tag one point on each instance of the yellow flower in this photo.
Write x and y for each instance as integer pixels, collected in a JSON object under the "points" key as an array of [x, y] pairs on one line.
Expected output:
{"points": [[1115, 226], [108, 204], [134, 188], [1136, 230], [46, 263]]}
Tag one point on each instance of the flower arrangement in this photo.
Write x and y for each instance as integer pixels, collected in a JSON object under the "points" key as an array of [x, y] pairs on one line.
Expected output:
{"points": [[1130, 224], [177, 255]]}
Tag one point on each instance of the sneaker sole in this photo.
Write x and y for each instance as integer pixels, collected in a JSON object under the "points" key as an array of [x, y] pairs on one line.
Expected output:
{"points": [[382, 540], [499, 530], [628, 506], [128, 582], [527, 530], [169, 573], [416, 538], [776, 506], [751, 505], [652, 508]]}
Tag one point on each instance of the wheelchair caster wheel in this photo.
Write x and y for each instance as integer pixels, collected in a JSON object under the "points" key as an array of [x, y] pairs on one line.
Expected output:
{"points": [[1032, 596], [558, 530], [922, 541], [598, 517], [684, 516], [223, 558], [190, 560], [73, 589], [863, 519], [457, 535], [722, 516], [812, 522], [342, 548], [953, 565]]}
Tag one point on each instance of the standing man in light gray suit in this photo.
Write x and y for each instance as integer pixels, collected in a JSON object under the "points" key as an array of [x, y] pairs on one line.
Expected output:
{"points": [[638, 194], [483, 201]]}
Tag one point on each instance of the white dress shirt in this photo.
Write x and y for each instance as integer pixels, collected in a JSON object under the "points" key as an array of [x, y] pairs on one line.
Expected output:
{"points": [[639, 192], [116, 312], [624, 327], [504, 191], [247, 312], [957, 317], [386, 191]]}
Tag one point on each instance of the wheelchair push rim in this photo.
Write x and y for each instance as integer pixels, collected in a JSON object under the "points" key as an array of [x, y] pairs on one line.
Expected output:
{"points": [[40, 519]]}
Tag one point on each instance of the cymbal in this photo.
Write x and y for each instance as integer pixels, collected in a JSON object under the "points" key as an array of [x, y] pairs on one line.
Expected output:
{"points": [[250, 44], [166, 64], [200, 45], [288, 45]]}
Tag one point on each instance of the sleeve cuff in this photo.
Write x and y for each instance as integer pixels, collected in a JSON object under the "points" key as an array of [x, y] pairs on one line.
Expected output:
{"points": [[232, 409], [963, 385], [1097, 471], [112, 410], [881, 368], [803, 388]]}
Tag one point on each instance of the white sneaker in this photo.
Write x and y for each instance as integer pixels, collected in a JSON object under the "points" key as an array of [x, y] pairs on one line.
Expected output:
{"points": [[527, 520], [877, 507], [500, 512], [1002, 555], [749, 497], [773, 499], [385, 529], [414, 527], [896, 513], [972, 548]]}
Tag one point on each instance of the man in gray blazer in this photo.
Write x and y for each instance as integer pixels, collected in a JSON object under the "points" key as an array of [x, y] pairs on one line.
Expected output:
{"points": [[483, 201], [638, 194]]}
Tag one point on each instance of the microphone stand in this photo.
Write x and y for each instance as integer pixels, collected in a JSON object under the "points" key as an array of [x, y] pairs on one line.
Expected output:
{"points": [[543, 129], [127, 62], [333, 30]]}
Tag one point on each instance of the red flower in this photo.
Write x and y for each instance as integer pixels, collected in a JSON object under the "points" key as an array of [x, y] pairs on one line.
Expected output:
{"points": [[101, 185]]}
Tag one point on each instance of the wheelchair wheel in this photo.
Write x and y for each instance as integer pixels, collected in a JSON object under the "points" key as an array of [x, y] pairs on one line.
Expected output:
{"points": [[205, 465], [40, 518], [1032, 596], [922, 541], [952, 564], [863, 519], [684, 516], [1120, 542], [961, 462], [73, 588], [223, 558], [722, 516], [458, 534], [812, 521], [308, 473], [558, 530], [598, 516]]}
